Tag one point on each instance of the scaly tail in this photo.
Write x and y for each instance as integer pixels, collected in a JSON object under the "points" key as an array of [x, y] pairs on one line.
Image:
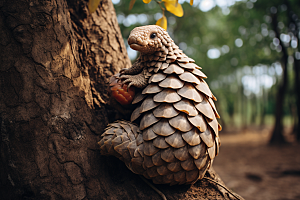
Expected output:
{"points": [[124, 140]]}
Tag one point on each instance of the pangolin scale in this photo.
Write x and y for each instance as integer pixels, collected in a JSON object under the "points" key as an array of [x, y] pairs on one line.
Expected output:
{"points": [[177, 137]]}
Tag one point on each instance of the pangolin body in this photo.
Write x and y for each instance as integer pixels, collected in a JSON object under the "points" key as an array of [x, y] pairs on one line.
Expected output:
{"points": [[177, 136]]}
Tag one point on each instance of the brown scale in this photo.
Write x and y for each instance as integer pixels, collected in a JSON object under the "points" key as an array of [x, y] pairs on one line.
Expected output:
{"points": [[177, 137]]}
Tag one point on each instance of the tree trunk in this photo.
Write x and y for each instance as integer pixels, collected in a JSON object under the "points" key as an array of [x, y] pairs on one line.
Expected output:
{"points": [[55, 60], [297, 89], [277, 135], [294, 19]]}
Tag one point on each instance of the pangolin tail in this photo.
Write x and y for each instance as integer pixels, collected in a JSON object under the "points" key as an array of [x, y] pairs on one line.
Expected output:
{"points": [[123, 140]]}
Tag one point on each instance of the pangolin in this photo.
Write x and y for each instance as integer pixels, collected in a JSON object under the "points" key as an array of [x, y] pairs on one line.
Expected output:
{"points": [[177, 133]]}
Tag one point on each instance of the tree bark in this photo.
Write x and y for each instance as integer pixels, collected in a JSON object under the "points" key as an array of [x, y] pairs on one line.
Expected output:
{"points": [[55, 61]]}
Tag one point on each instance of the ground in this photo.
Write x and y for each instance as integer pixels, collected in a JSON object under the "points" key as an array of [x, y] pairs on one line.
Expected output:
{"points": [[256, 170]]}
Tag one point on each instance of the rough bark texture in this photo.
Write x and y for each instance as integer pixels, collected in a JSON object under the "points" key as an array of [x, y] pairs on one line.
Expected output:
{"points": [[55, 59]]}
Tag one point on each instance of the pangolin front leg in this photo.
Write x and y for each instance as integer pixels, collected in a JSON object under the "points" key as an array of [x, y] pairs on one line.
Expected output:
{"points": [[140, 80]]}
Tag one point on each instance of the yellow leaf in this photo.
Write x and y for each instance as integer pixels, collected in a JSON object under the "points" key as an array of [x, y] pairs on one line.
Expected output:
{"points": [[191, 2], [162, 22], [93, 5], [131, 4], [146, 1], [174, 8]]}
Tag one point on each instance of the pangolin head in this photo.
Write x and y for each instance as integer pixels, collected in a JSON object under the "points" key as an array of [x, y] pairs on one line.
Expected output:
{"points": [[149, 39]]}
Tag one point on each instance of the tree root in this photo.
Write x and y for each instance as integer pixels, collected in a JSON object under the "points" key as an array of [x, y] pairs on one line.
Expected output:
{"points": [[154, 188], [227, 189]]}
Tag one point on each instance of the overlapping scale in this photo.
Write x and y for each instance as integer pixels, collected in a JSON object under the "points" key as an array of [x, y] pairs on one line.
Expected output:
{"points": [[189, 77], [198, 150], [148, 104], [139, 97], [207, 137], [126, 127], [183, 60], [157, 160], [163, 170], [172, 58], [188, 164], [192, 175], [140, 148], [199, 73], [214, 107], [171, 82], [164, 66], [148, 134], [116, 141], [150, 69], [198, 121], [188, 91], [147, 120], [180, 177], [217, 145], [203, 87], [175, 140], [192, 137], [165, 110], [214, 125], [187, 65], [167, 155], [184, 105], [131, 148], [201, 162], [174, 166], [167, 95], [158, 65], [149, 148], [182, 153], [157, 77], [180, 122], [173, 68], [135, 114], [139, 139], [212, 151], [163, 128], [152, 172], [152, 89], [148, 162], [205, 108], [160, 142]]}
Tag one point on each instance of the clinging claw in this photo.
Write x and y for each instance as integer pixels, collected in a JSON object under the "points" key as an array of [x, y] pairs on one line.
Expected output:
{"points": [[138, 80], [123, 71]]}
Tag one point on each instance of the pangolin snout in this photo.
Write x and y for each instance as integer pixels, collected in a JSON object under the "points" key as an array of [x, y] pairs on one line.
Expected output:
{"points": [[132, 40]]}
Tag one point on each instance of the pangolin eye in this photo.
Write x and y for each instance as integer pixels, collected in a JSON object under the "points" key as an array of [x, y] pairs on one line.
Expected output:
{"points": [[153, 35]]}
